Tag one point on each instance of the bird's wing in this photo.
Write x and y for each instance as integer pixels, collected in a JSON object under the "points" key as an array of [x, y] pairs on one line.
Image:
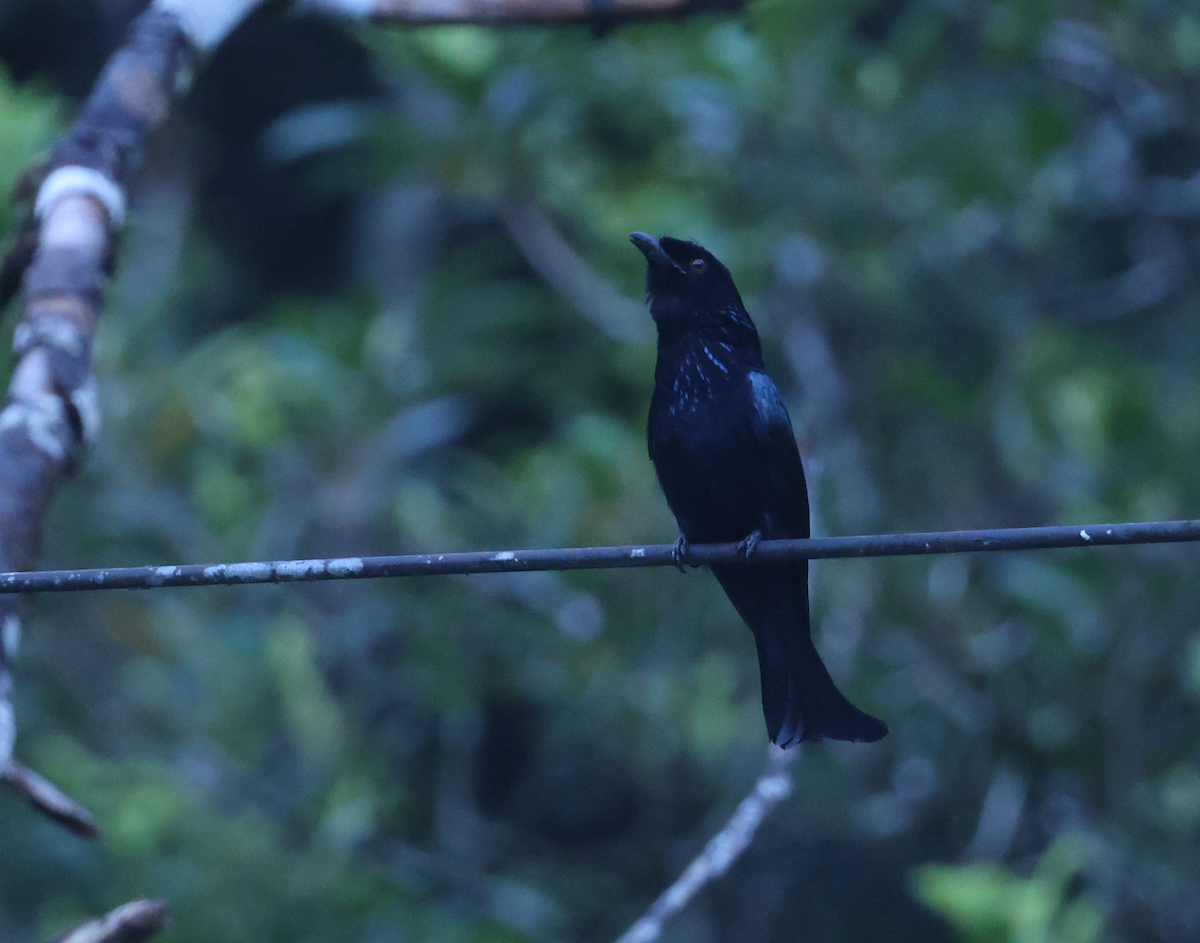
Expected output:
{"points": [[781, 459]]}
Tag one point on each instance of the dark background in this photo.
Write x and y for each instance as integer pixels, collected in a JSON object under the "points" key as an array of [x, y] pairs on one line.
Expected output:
{"points": [[376, 296]]}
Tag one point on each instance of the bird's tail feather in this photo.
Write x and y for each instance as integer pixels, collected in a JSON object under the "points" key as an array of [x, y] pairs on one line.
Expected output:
{"points": [[800, 700]]}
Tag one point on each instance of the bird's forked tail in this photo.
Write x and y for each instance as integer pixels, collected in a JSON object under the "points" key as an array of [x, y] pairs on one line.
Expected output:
{"points": [[800, 700]]}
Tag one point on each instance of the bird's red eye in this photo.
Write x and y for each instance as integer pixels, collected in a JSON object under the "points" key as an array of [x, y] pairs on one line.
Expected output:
{"points": [[699, 266]]}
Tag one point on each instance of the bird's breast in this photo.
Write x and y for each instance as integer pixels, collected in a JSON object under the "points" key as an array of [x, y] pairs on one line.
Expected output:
{"points": [[701, 443], [699, 379]]}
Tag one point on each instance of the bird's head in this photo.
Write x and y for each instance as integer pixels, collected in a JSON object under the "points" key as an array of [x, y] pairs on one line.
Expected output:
{"points": [[688, 288]]}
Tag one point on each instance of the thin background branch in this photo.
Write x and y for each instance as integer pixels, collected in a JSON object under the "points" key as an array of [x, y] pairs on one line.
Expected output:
{"points": [[553, 257], [722, 850], [134, 922], [49, 799]]}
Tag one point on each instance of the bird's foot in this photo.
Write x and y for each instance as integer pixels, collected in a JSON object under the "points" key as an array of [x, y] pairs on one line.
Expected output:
{"points": [[750, 544], [679, 550]]}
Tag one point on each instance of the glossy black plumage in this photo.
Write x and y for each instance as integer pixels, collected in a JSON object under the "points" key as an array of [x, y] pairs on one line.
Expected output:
{"points": [[726, 457]]}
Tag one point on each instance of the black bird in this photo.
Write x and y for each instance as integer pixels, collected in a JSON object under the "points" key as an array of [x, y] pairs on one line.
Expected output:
{"points": [[722, 444]]}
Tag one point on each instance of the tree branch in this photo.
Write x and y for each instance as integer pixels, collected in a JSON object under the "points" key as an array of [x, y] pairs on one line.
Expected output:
{"points": [[130, 923], [61, 260], [598, 558], [519, 12], [722, 850], [49, 799]]}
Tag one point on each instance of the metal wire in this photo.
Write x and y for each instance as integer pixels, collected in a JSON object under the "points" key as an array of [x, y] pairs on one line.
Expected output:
{"points": [[586, 558]]}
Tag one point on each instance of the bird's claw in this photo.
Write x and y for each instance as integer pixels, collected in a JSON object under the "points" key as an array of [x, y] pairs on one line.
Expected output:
{"points": [[750, 544], [679, 550]]}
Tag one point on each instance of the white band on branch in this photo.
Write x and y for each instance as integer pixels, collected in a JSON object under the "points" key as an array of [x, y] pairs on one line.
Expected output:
{"points": [[207, 22], [74, 180], [8, 733]]}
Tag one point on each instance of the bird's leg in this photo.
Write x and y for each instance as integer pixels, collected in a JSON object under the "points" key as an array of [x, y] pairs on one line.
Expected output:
{"points": [[750, 544], [679, 550]]}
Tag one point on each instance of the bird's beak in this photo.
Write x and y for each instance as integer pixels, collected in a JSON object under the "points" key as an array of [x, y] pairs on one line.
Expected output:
{"points": [[654, 252]]}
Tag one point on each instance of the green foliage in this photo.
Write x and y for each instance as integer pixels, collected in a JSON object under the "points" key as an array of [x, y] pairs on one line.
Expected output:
{"points": [[28, 122], [989, 904]]}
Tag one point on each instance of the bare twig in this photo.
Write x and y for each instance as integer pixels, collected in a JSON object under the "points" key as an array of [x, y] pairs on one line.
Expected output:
{"points": [[130, 923], [722, 850], [61, 260], [518, 12], [555, 259], [49, 799], [596, 558]]}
